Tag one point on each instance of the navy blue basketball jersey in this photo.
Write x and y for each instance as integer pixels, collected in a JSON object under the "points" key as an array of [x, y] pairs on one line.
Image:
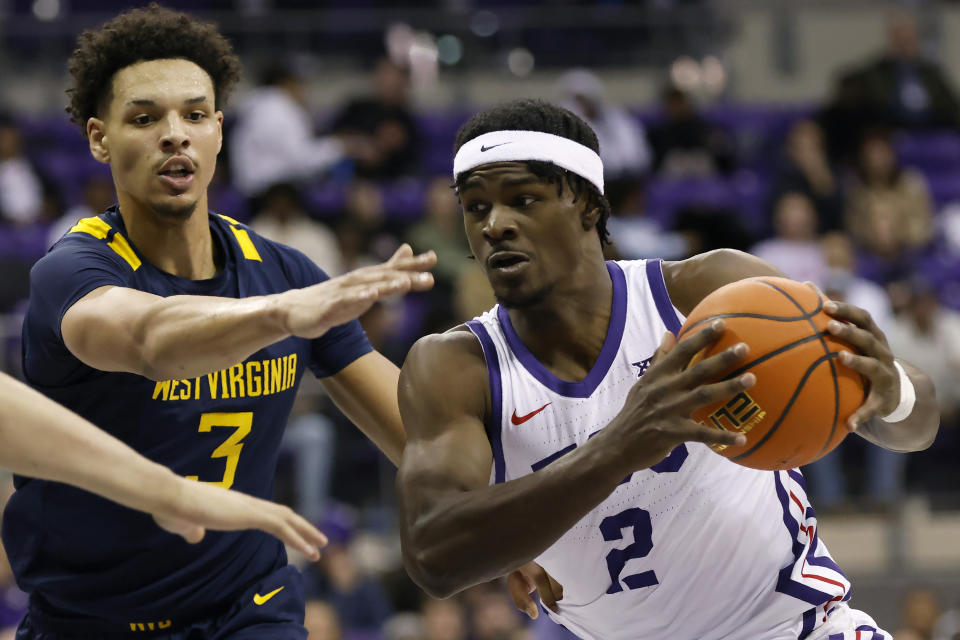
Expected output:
{"points": [[80, 555]]}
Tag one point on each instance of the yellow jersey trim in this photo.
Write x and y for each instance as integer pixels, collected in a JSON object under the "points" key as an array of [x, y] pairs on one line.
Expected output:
{"points": [[243, 239], [99, 229]]}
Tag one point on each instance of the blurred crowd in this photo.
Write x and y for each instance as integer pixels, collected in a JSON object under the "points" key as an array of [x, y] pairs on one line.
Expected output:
{"points": [[860, 195]]}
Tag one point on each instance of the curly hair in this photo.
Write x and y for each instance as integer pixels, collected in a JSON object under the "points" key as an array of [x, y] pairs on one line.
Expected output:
{"points": [[137, 35], [538, 115]]}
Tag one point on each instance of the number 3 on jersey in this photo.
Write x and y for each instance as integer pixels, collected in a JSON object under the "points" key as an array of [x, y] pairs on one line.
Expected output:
{"points": [[231, 447]]}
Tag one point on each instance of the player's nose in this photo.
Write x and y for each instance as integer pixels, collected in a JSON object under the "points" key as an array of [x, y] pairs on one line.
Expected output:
{"points": [[500, 224], [174, 133]]}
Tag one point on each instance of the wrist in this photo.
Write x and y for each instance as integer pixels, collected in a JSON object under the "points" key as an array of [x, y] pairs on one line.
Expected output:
{"points": [[908, 397]]}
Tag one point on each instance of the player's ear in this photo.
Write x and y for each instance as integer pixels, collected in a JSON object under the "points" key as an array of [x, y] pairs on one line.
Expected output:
{"points": [[219, 116], [590, 216], [97, 137]]}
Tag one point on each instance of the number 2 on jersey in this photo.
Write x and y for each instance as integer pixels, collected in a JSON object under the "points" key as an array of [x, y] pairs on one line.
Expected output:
{"points": [[231, 447], [611, 528]]}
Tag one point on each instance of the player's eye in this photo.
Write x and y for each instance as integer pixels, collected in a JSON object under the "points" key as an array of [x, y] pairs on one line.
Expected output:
{"points": [[524, 201], [196, 116], [142, 119], [478, 208]]}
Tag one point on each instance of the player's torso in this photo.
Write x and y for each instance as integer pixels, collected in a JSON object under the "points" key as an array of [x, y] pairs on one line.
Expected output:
{"points": [[224, 428], [694, 547]]}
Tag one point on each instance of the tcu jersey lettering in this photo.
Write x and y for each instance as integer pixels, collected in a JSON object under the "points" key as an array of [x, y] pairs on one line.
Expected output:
{"points": [[694, 547]]}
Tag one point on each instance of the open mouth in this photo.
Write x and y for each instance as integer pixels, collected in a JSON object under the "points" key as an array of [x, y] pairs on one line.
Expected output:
{"points": [[507, 261]]}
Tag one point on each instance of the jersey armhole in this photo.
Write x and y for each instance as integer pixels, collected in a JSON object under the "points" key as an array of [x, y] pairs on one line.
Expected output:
{"points": [[672, 318], [494, 421]]}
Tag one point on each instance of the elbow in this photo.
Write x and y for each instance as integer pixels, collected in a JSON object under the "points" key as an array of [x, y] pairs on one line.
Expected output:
{"points": [[423, 570], [435, 574]]}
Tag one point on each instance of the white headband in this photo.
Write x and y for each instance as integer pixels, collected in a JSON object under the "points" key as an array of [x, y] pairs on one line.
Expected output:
{"points": [[517, 146]]}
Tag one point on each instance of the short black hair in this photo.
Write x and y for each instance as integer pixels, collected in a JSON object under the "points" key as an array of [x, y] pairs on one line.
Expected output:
{"points": [[539, 115], [153, 33]]}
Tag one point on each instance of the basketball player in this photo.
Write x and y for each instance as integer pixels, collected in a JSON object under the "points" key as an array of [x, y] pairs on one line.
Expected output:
{"points": [[41, 439], [184, 334], [530, 437]]}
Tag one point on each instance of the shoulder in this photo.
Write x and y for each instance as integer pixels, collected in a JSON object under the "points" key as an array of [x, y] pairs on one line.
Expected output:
{"points": [[446, 369], [300, 270], [455, 350], [77, 253], [690, 281]]}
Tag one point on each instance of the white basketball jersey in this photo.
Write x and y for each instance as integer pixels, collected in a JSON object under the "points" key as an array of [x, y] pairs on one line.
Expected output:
{"points": [[694, 548]]}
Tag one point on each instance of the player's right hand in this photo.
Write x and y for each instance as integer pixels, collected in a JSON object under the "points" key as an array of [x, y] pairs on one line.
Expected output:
{"points": [[656, 415], [312, 311], [199, 506]]}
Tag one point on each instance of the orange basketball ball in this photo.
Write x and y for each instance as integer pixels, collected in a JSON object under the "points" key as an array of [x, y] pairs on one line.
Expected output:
{"points": [[797, 410]]}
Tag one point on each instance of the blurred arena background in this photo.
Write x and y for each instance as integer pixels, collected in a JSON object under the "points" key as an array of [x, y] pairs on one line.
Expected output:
{"points": [[823, 135]]}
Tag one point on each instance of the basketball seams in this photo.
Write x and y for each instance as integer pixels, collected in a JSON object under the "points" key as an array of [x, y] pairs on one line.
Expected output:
{"points": [[759, 316], [771, 354], [829, 357], [826, 349]]}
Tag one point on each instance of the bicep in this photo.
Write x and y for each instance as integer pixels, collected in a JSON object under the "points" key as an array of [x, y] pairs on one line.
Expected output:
{"points": [[442, 401], [103, 328]]}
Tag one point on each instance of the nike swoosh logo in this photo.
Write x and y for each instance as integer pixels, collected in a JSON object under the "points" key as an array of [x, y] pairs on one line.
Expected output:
{"points": [[518, 420], [261, 600], [493, 146]]}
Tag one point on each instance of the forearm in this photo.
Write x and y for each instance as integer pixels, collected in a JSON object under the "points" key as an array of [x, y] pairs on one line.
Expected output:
{"points": [[41, 439], [465, 538], [919, 429], [190, 336]]}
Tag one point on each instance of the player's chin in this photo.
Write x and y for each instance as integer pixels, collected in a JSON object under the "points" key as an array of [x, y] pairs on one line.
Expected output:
{"points": [[521, 297], [177, 207]]}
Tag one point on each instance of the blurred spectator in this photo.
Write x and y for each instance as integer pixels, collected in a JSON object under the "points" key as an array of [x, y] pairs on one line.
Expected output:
{"points": [[359, 600], [321, 621], [623, 143], [404, 626], [884, 471], [930, 336], [21, 189], [442, 230], [843, 120], [905, 89], [806, 169], [273, 138], [386, 119], [794, 249], [360, 232], [310, 442], [98, 195], [492, 615], [841, 282], [921, 608], [705, 228], [444, 619], [684, 144], [282, 217], [903, 192]]}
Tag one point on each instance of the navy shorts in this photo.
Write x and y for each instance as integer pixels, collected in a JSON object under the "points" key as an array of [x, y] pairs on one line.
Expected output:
{"points": [[272, 609]]}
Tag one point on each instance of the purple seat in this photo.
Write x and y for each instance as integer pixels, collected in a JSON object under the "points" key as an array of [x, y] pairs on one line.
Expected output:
{"points": [[404, 199], [326, 199]]}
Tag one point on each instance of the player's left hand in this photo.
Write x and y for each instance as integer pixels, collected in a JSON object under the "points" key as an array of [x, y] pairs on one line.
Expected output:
{"points": [[875, 362], [199, 506], [529, 578]]}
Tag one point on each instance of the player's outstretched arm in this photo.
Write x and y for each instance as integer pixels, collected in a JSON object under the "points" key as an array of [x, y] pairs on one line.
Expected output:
{"points": [[456, 530], [41, 439], [120, 329]]}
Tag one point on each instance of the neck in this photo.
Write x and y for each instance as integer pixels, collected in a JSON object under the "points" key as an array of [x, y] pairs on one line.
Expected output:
{"points": [[566, 332], [181, 247]]}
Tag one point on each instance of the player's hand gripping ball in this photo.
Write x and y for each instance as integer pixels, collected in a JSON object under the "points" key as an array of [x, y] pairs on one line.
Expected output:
{"points": [[798, 409]]}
